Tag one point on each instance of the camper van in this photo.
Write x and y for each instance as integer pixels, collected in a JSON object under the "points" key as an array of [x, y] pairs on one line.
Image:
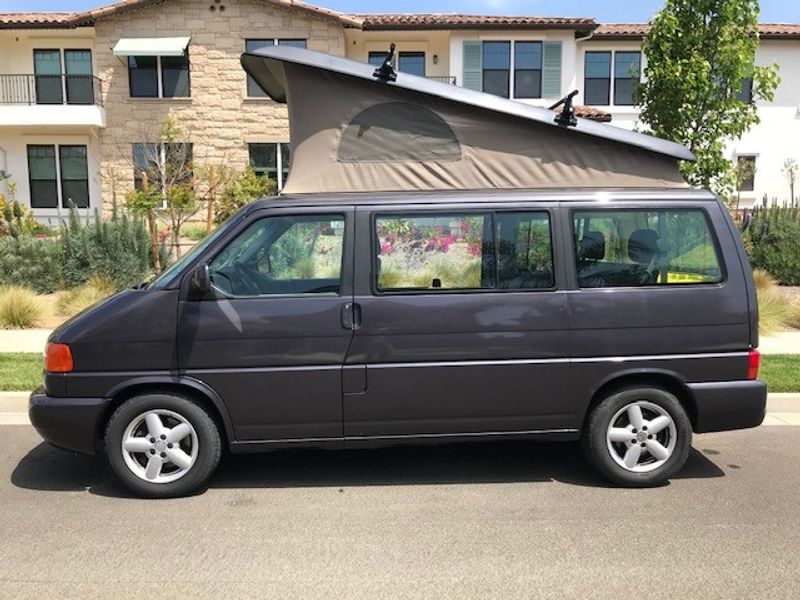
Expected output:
{"points": [[444, 266]]}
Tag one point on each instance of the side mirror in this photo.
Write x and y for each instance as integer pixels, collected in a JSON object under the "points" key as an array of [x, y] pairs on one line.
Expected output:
{"points": [[201, 280]]}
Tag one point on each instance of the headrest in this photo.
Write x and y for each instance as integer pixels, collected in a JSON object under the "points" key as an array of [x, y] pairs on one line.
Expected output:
{"points": [[592, 246], [643, 246]]}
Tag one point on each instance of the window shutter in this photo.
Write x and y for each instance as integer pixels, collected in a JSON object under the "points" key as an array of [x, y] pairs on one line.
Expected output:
{"points": [[472, 76], [551, 70]]}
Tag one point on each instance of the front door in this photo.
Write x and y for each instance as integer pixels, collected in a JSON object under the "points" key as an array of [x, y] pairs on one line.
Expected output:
{"points": [[273, 341], [463, 328]]}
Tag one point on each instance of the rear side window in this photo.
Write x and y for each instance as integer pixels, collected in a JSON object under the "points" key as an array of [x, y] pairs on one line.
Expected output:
{"points": [[476, 251], [644, 248]]}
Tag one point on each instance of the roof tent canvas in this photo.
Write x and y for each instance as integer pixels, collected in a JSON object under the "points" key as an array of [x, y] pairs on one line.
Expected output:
{"points": [[351, 132]]}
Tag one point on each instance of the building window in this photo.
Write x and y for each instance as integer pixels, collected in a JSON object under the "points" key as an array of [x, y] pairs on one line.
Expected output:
{"points": [[79, 79], [746, 91], [412, 63], [159, 76], [272, 160], [496, 68], [746, 172], [74, 176], [42, 174], [627, 70], [527, 69], [162, 165], [597, 78], [376, 58], [47, 165], [253, 89]]}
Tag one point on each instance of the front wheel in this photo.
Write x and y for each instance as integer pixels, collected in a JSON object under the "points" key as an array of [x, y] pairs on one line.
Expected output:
{"points": [[162, 446], [638, 437]]}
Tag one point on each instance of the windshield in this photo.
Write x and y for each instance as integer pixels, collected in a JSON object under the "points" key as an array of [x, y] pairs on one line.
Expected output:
{"points": [[162, 280]]}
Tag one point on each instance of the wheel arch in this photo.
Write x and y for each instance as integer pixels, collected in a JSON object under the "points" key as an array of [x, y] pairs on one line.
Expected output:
{"points": [[188, 387], [667, 380]]}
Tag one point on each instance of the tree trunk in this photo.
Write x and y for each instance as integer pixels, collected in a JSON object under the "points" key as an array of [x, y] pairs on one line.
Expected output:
{"points": [[151, 225]]}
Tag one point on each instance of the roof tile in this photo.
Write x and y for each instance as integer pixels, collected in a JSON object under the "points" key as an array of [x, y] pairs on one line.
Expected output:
{"points": [[457, 21]]}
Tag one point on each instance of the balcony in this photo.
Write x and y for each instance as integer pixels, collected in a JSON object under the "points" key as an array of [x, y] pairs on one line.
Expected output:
{"points": [[61, 100], [442, 79]]}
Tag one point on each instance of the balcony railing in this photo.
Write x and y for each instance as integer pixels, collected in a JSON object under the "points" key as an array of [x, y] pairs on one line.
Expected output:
{"points": [[50, 89], [443, 79]]}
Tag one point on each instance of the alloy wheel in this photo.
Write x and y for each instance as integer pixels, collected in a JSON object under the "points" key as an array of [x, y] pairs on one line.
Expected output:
{"points": [[641, 437], [160, 446]]}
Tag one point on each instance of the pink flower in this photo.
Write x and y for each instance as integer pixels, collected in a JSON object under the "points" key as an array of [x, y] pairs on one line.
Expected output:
{"points": [[386, 248], [474, 249]]}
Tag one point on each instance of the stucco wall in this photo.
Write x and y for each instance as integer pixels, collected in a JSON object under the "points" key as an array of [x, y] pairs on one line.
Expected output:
{"points": [[218, 119]]}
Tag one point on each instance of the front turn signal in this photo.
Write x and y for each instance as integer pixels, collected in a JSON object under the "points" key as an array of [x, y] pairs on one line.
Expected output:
{"points": [[57, 358]]}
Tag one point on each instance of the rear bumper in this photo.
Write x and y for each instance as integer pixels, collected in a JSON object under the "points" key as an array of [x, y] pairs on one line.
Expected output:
{"points": [[69, 423], [725, 405]]}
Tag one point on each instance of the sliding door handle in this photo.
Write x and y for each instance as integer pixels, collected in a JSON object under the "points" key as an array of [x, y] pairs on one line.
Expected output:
{"points": [[351, 315]]}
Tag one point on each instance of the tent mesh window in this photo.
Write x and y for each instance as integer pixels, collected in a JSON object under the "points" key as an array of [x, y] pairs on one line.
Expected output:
{"points": [[398, 132]]}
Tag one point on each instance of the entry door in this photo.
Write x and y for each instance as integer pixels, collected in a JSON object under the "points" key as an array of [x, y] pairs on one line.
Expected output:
{"points": [[463, 325], [273, 341]]}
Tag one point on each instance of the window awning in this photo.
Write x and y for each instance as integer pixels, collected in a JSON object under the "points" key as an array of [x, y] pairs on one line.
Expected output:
{"points": [[161, 46]]}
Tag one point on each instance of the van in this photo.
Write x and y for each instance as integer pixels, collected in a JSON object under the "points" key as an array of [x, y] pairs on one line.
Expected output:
{"points": [[621, 317]]}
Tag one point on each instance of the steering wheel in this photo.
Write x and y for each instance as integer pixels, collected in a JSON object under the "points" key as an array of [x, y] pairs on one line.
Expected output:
{"points": [[249, 282]]}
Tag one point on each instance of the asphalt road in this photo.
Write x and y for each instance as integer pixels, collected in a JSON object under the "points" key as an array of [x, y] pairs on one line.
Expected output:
{"points": [[501, 520]]}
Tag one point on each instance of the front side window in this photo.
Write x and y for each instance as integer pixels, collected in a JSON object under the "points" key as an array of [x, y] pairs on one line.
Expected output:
{"points": [[159, 76], [475, 251], [253, 89], [597, 78], [527, 69], [282, 255], [496, 68], [627, 69], [632, 248]]}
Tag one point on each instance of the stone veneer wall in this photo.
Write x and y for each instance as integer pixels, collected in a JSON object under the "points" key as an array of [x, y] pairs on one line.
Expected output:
{"points": [[218, 119]]}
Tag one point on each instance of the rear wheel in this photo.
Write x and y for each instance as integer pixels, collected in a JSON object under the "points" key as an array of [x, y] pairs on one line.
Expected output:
{"points": [[638, 437], [161, 446]]}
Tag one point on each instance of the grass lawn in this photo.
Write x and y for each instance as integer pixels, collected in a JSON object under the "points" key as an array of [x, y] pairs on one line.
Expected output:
{"points": [[23, 371], [20, 371]]}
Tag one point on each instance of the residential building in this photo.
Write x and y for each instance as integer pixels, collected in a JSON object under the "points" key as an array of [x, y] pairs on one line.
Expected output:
{"points": [[82, 95]]}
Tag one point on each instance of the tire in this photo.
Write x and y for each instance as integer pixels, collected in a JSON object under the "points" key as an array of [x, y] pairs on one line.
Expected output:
{"points": [[162, 445], [656, 455]]}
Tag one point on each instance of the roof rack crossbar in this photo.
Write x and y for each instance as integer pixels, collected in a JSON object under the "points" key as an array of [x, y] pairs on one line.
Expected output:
{"points": [[386, 71]]}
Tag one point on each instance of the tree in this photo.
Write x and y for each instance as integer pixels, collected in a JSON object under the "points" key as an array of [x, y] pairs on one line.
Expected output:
{"points": [[173, 186], [790, 171], [700, 55]]}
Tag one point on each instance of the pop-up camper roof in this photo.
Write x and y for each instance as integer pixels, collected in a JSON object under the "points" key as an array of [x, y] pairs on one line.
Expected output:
{"points": [[354, 132]]}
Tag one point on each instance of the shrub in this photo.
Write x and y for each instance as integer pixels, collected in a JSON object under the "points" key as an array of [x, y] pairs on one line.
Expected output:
{"points": [[773, 240], [775, 309], [117, 248], [20, 308], [82, 297], [32, 262], [245, 188], [194, 232]]}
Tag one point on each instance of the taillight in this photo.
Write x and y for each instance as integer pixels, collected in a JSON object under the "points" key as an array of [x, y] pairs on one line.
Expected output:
{"points": [[753, 362], [57, 358]]}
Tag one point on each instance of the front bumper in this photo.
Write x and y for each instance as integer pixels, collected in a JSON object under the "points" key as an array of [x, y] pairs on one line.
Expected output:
{"points": [[69, 423], [725, 405]]}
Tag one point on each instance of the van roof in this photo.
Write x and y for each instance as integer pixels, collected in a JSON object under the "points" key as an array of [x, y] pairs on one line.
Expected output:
{"points": [[486, 196], [353, 129]]}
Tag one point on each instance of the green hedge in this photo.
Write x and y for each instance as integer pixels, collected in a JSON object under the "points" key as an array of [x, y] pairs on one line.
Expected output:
{"points": [[31, 262], [773, 241]]}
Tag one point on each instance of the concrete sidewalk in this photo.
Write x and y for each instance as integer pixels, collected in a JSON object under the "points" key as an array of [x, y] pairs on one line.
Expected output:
{"points": [[782, 409]]}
